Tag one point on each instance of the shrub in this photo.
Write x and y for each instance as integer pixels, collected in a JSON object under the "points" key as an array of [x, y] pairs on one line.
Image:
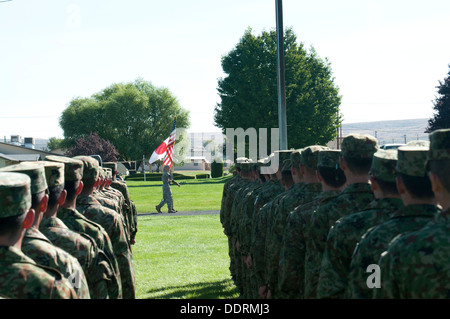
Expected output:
{"points": [[216, 169], [200, 176]]}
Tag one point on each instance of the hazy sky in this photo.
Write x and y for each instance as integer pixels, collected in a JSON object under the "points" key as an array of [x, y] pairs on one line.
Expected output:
{"points": [[387, 56]]}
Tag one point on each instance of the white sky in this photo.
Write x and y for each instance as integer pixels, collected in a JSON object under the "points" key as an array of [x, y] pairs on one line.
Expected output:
{"points": [[387, 56]]}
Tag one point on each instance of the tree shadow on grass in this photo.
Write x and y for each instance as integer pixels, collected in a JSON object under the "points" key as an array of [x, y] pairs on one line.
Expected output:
{"points": [[224, 289]]}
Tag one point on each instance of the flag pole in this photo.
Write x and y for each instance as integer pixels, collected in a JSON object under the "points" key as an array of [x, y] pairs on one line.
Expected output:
{"points": [[171, 164], [282, 122]]}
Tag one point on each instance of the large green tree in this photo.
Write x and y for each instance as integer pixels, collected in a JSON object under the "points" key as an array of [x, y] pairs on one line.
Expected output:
{"points": [[441, 106], [249, 95], [135, 117]]}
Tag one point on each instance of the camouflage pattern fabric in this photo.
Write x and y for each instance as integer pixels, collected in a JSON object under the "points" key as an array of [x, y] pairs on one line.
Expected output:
{"points": [[167, 192], [112, 222], [311, 276], [355, 197], [84, 249], [258, 247], [267, 193], [79, 223], [291, 267], [36, 246], [22, 278], [376, 240], [132, 212], [415, 265], [297, 195], [341, 242]]}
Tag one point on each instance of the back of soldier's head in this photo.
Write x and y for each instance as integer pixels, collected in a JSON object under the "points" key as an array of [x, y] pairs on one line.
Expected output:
{"points": [[328, 168], [382, 171], [73, 173], [38, 182], [309, 158], [411, 168], [439, 156], [15, 201], [54, 173], [357, 151]]}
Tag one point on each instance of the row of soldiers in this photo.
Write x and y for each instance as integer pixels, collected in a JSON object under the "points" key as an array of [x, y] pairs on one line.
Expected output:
{"points": [[67, 226], [359, 222]]}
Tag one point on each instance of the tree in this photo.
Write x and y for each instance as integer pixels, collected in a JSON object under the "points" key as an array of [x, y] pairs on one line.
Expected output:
{"points": [[94, 145], [249, 95], [136, 117], [54, 143], [441, 105]]}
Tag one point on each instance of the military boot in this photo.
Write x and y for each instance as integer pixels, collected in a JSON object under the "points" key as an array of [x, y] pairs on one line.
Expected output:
{"points": [[158, 209]]}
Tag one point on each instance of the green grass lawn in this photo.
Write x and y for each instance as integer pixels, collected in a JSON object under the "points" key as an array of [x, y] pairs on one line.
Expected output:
{"points": [[182, 257], [193, 195]]}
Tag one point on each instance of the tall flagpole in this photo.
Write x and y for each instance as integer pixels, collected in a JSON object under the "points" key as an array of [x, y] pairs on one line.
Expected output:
{"points": [[282, 123]]}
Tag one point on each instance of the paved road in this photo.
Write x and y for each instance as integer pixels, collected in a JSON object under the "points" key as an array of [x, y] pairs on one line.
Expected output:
{"points": [[164, 213]]}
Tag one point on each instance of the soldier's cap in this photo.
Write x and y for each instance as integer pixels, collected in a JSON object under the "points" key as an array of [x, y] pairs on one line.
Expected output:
{"points": [[239, 161], [439, 145], [282, 156], [296, 157], [246, 166], [35, 171], [108, 172], [91, 168], [310, 156], [412, 160], [383, 165], [287, 164], [73, 168], [328, 158], [418, 143], [359, 146], [15, 194], [102, 173], [111, 165], [54, 173]]}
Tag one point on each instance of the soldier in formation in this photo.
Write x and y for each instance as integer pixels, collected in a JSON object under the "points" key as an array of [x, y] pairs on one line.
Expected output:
{"points": [[57, 240], [352, 223]]}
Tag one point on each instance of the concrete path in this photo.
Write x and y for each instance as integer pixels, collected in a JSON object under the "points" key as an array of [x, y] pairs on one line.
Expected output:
{"points": [[164, 213]]}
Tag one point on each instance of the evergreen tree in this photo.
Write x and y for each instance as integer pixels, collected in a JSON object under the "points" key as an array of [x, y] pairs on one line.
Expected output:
{"points": [[249, 95], [441, 106]]}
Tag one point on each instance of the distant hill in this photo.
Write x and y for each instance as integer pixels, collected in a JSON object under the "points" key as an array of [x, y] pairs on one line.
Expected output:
{"points": [[390, 131]]}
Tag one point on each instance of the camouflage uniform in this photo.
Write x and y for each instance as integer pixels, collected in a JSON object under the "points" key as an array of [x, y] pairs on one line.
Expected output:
{"points": [[167, 193], [416, 264], [355, 197], [20, 276], [235, 219], [39, 248], [268, 191], [411, 161], [299, 194], [292, 262], [131, 211], [56, 173], [113, 224], [346, 232], [259, 228], [244, 235], [226, 208]]}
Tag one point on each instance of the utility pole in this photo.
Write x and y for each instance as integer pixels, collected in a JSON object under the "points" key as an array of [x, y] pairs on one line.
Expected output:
{"points": [[281, 79]]}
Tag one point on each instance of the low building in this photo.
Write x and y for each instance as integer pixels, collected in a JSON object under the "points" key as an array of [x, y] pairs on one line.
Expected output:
{"points": [[14, 154]]}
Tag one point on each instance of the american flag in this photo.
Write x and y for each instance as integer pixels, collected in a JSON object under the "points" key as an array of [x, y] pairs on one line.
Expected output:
{"points": [[165, 150], [171, 142]]}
